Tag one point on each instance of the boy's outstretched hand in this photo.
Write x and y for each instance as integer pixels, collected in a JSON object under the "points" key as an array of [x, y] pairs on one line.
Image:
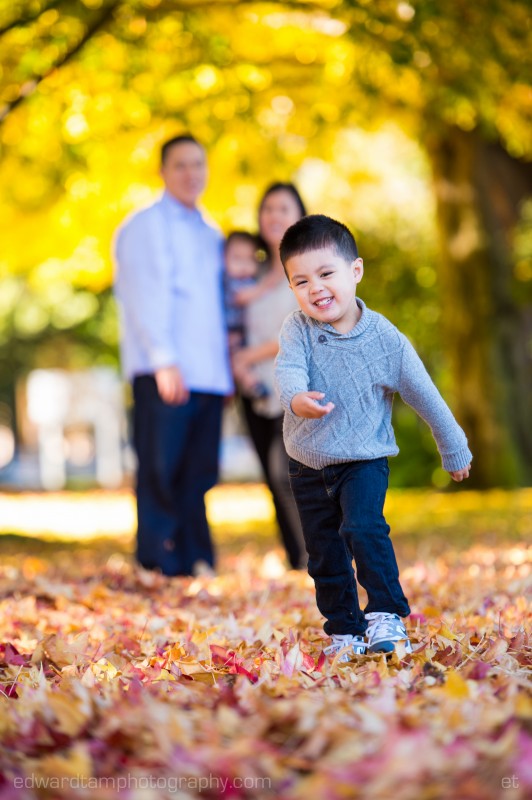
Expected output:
{"points": [[305, 404], [460, 474]]}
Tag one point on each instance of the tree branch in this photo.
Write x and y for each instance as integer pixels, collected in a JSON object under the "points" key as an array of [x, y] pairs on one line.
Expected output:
{"points": [[29, 87], [19, 22]]}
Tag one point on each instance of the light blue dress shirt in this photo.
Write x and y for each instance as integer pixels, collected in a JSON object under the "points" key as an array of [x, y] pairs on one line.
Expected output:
{"points": [[169, 287]]}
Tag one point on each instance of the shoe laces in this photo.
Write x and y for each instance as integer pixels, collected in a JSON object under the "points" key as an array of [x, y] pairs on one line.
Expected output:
{"points": [[341, 642], [383, 625]]}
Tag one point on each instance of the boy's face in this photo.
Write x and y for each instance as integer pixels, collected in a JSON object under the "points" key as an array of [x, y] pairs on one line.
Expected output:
{"points": [[324, 284], [240, 261]]}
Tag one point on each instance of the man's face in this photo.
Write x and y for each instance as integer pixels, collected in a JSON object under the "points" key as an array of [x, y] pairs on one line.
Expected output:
{"points": [[325, 284], [184, 172]]}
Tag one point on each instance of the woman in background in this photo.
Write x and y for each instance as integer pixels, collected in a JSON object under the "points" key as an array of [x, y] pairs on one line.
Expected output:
{"points": [[266, 306]]}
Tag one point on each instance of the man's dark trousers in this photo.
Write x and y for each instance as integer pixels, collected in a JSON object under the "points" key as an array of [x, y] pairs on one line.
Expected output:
{"points": [[177, 451]]}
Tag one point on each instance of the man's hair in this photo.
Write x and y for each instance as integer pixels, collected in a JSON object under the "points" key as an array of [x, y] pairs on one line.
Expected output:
{"points": [[316, 232], [243, 236], [184, 138]]}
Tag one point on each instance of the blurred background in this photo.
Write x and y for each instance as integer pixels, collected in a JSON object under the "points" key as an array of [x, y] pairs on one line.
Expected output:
{"points": [[410, 121]]}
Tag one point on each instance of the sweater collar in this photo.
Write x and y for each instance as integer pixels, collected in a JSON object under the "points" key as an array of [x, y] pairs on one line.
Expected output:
{"points": [[362, 324]]}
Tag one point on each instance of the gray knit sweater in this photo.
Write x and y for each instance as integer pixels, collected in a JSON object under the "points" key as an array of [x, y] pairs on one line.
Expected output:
{"points": [[359, 372]]}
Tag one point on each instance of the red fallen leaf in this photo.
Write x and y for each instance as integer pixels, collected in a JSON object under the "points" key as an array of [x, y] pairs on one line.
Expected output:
{"points": [[308, 662], [415, 618], [477, 670], [292, 636], [448, 657], [496, 649], [240, 670], [231, 791], [374, 679], [524, 659], [228, 658], [321, 661], [285, 646], [133, 672], [518, 641], [523, 761], [153, 672], [227, 696], [10, 655], [220, 655], [134, 689], [127, 644], [36, 739]]}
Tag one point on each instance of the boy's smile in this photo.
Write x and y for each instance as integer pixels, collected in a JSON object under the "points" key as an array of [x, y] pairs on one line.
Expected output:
{"points": [[324, 284]]}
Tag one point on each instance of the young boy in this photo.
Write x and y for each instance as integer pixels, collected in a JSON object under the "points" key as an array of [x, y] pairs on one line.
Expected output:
{"points": [[338, 368], [241, 275]]}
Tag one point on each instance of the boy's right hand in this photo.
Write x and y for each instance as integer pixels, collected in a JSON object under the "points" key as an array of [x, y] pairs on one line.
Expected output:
{"points": [[460, 474], [305, 404]]}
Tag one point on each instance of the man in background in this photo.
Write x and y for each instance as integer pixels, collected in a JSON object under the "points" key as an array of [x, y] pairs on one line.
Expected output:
{"points": [[174, 351]]}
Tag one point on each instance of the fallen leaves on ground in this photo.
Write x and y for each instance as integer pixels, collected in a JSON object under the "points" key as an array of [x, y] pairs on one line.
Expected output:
{"points": [[119, 682]]}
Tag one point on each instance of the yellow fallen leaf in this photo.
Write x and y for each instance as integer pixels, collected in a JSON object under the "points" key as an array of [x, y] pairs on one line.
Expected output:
{"points": [[176, 652], [165, 675], [431, 611], [523, 706], [229, 721], [203, 677], [88, 679], [63, 651], [72, 712], [446, 633], [188, 666], [76, 764], [199, 636], [455, 686]]}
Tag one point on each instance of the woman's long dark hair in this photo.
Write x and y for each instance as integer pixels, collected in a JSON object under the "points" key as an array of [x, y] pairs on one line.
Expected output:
{"points": [[284, 187]]}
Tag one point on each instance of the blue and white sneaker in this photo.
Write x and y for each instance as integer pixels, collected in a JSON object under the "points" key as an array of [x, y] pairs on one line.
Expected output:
{"points": [[384, 630], [353, 645]]}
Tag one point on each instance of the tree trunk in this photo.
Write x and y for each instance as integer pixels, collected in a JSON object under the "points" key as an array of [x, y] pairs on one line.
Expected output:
{"points": [[487, 327]]}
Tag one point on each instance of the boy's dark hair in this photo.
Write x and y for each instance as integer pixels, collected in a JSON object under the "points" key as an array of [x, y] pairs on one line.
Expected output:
{"points": [[244, 236], [176, 140], [316, 232]]}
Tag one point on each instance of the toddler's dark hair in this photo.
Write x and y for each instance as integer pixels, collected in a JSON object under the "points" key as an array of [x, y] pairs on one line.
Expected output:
{"points": [[317, 232], [244, 236]]}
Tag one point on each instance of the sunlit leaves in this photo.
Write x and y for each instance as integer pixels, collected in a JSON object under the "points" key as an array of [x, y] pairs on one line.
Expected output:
{"points": [[276, 91], [105, 667]]}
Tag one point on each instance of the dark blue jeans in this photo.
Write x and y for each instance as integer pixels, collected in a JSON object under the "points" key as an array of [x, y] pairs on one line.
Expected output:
{"points": [[341, 510], [177, 452]]}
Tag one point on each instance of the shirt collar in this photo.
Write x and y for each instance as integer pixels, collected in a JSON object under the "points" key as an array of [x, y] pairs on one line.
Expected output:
{"points": [[360, 327], [173, 206]]}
